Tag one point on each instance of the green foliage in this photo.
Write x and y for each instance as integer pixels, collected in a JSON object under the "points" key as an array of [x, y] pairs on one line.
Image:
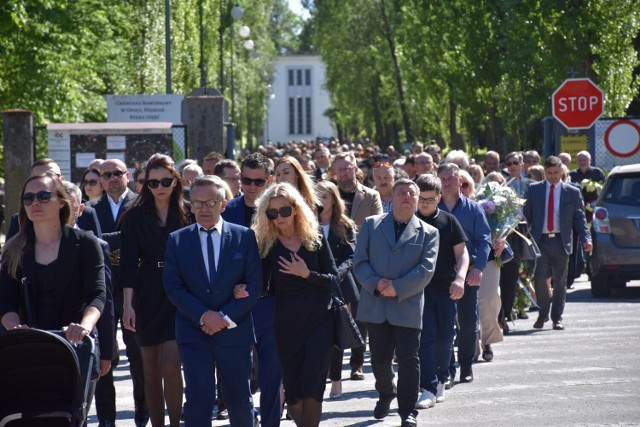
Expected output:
{"points": [[472, 70], [61, 57]]}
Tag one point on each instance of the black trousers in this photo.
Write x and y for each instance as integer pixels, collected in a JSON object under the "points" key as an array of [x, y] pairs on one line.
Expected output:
{"points": [[357, 354], [105, 395], [509, 274], [384, 340]]}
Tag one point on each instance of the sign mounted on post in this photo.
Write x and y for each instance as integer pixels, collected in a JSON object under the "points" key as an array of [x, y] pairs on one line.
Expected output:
{"points": [[577, 103]]}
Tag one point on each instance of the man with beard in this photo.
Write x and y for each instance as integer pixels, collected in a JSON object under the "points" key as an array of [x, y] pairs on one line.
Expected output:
{"points": [[360, 202]]}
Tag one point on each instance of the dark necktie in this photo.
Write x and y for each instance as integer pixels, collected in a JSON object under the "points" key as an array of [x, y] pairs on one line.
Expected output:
{"points": [[210, 254], [550, 224]]}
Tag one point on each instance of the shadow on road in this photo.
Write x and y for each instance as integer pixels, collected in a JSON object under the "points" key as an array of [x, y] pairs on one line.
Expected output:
{"points": [[628, 294]]}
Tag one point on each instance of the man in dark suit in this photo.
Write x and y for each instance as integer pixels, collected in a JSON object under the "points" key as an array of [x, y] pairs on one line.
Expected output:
{"points": [[109, 208], [391, 300], [322, 159], [552, 210], [106, 323], [203, 264], [360, 202], [256, 168]]}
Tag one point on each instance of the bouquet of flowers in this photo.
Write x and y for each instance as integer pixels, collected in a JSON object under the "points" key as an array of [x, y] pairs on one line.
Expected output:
{"points": [[590, 191], [502, 208]]}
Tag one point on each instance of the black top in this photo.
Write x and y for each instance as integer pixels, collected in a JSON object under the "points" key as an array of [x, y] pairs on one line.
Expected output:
{"points": [[248, 214], [451, 234], [348, 200], [78, 278]]}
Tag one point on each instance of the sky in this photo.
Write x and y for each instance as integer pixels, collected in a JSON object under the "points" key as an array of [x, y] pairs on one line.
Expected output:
{"points": [[297, 8]]}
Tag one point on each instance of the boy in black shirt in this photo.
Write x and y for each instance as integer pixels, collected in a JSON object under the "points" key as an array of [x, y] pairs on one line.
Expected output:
{"points": [[441, 295]]}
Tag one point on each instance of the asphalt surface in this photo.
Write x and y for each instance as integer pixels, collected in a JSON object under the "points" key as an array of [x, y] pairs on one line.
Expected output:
{"points": [[588, 374]]}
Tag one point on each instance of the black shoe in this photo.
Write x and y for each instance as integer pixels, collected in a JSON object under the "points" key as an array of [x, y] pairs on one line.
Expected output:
{"points": [[448, 384], [106, 423], [141, 415], [382, 409], [409, 421], [466, 374], [505, 327]]}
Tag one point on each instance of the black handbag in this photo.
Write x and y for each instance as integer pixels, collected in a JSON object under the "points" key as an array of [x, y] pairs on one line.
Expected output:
{"points": [[347, 334], [529, 248]]}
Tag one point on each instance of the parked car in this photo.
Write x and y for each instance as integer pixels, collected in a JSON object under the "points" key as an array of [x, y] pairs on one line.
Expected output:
{"points": [[616, 232]]}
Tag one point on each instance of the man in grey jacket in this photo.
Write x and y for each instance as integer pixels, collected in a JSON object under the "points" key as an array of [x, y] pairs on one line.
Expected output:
{"points": [[393, 273]]}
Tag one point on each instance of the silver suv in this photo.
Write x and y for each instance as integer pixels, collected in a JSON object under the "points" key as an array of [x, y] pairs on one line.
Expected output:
{"points": [[616, 232]]}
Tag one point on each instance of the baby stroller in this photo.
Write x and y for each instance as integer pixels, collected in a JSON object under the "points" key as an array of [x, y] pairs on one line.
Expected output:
{"points": [[44, 379]]}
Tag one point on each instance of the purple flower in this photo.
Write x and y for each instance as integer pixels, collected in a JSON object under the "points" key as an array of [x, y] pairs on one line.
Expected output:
{"points": [[488, 206]]}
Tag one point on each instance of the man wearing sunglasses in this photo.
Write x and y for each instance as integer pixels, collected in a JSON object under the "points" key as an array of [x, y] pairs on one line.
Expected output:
{"points": [[256, 176], [114, 178]]}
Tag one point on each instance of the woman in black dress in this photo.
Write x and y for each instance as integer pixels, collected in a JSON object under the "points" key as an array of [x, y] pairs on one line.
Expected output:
{"points": [[298, 263], [62, 268], [340, 232], [158, 211]]}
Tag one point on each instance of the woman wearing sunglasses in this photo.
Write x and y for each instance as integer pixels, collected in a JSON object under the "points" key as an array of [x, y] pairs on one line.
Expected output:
{"points": [[299, 267], [61, 268], [157, 211], [340, 232], [90, 185]]}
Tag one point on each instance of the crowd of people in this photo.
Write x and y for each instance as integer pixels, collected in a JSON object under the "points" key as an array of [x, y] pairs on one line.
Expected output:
{"points": [[223, 272]]}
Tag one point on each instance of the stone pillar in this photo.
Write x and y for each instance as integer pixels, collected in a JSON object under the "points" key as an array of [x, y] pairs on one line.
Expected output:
{"points": [[17, 131], [204, 112]]}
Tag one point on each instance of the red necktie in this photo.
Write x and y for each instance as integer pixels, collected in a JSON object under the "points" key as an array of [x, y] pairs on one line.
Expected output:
{"points": [[550, 209]]}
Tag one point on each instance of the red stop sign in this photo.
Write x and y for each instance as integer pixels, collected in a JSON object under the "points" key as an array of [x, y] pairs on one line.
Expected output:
{"points": [[577, 103]]}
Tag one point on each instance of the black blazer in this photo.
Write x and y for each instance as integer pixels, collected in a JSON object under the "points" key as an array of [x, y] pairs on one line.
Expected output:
{"points": [[88, 221], [106, 325], [343, 256], [111, 228], [79, 273]]}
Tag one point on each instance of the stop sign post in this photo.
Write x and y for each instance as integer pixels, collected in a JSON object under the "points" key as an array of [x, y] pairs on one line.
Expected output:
{"points": [[577, 103]]}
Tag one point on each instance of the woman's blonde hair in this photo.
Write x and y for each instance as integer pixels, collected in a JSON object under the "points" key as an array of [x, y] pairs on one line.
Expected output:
{"points": [[305, 223], [12, 252], [305, 185], [341, 224]]}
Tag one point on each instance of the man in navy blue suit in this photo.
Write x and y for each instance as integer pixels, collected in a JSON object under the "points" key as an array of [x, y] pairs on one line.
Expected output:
{"points": [[203, 264], [255, 170]]}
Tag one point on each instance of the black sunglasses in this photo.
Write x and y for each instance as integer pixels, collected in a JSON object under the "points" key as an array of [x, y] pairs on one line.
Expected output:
{"points": [[514, 163], [117, 173], [90, 183], [42, 196], [285, 212], [154, 183], [259, 182]]}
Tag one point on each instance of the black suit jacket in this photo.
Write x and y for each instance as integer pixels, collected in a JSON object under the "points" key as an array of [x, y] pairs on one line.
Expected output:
{"points": [[79, 274], [88, 221], [111, 228]]}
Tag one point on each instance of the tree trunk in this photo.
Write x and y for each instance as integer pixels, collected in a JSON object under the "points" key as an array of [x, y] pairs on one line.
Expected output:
{"points": [[388, 32]]}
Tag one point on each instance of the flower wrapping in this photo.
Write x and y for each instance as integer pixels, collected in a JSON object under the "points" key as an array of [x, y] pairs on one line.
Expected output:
{"points": [[502, 208], [590, 192]]}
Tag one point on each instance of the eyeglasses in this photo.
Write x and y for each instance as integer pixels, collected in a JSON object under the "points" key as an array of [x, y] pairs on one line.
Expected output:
{"points": [[117, 173], [154, 183], [258, 182], [345, 169], [285, 212], [509, 164], [465, 185], [199, 204], [90, 183], [427, 200], [377, 165], [42, 196]]}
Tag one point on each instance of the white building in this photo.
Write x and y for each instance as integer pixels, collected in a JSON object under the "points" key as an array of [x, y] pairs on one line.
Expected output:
{"points": [[297, 100]]}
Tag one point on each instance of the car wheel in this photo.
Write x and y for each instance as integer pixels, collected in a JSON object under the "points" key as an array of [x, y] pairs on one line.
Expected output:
{"points": [[599, 286]]}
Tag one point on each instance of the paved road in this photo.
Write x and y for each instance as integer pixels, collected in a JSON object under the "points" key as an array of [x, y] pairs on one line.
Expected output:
{"points": [[588, 374]]}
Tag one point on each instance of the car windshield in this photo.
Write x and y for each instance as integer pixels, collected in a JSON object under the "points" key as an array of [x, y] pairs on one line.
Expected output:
{"points": [[623, 190]]}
